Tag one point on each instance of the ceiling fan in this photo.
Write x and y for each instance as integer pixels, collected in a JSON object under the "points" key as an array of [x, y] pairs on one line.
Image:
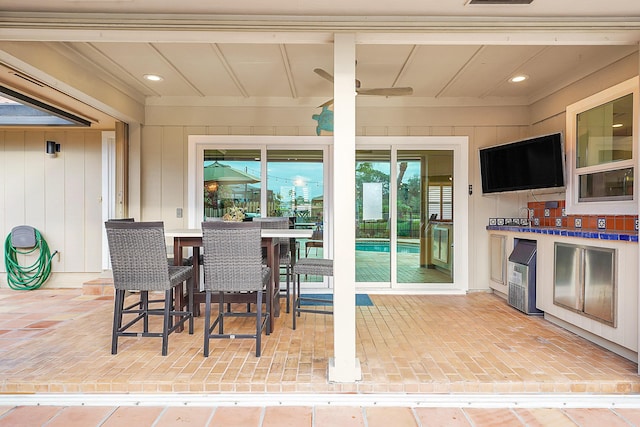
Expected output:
{"points": [[379, 91]]}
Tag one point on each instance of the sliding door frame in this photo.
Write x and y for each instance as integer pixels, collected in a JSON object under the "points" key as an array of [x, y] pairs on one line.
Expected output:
{"points": [[458, 144]]}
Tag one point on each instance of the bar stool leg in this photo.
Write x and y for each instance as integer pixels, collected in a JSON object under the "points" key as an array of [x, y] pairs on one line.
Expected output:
{"points": [[296, 299]]}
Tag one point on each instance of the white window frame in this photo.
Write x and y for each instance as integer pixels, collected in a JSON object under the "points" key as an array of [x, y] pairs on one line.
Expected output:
{"points": [[199, 143], [612, 207]]}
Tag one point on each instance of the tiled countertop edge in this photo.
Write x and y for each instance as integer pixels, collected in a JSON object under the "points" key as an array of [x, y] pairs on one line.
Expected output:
{"points": [[626, 237]]}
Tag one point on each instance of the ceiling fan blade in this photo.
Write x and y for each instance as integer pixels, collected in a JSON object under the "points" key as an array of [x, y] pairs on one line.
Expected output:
{"points": [[386, 91], [322, 73], [326, 104]]}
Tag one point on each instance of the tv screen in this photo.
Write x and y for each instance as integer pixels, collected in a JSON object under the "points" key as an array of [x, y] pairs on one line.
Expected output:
{"points": [[529, 164]]}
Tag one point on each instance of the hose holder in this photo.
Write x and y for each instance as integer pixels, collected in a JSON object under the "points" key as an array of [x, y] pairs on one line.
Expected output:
{"points": [[26, 242], [23, 237]]}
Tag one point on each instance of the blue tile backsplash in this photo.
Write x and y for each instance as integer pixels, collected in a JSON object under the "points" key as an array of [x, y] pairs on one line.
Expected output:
{"points": [[543, 219]]}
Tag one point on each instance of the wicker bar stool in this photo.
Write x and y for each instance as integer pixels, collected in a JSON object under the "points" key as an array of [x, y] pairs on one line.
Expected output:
{"points": [[312, 266], [285, 252], [139, 263], [233, 272]]}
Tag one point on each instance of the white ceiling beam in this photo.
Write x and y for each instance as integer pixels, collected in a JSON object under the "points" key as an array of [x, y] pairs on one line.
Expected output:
{"points": [[232, 74], [444, 36], [461, 36], [318, 29], [169, 35], [405, 65], [288, 72]]}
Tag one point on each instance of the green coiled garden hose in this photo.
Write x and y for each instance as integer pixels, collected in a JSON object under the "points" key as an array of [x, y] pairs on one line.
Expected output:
{"points": [[26, 278]]}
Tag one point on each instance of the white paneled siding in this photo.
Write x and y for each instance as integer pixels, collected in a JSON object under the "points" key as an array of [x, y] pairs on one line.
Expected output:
{"points": [[61, 197]]}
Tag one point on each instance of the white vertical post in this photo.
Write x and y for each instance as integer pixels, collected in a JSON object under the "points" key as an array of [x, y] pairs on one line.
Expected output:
{"points": [[635, 191], [108, 189], [344, 366]]}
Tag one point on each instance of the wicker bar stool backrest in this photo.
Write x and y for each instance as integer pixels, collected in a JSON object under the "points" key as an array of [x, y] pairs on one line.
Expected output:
{"points": [[276, 222], [138, 255], [232, 256], [273, 221]]}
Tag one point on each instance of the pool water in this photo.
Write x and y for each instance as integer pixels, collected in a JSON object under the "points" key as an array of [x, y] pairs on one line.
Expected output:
{"points": [[403, 248]]}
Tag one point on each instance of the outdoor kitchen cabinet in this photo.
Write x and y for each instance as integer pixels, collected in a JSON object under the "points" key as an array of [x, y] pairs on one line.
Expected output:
{"points": [[599, 303], [499, 247], [585, 281]]}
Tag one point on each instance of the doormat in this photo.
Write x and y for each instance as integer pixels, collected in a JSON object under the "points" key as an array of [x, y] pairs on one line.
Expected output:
{"points": [[362, 300]]}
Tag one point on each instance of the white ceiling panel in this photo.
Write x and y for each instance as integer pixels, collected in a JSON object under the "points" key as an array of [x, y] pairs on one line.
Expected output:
{"points": [[488, 69], [201, 65], [143, 58], [260, 68], [434, 67], [380, 65], [558, 66], [89, 55], [303, 59]]}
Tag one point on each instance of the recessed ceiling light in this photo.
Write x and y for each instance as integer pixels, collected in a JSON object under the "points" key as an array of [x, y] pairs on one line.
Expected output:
{"points": [[518, 79], [617, 125], [153, 77]]}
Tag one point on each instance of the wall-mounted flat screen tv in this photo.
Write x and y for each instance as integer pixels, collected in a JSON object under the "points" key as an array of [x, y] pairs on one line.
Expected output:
{"points": [[529, 164]]}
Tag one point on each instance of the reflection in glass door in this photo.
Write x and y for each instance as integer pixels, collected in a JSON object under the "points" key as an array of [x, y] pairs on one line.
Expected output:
{"points": [[421, 245], [295, 185], [231, 180], [373, 257], [295, 188], [424, 216], [268, 182]]}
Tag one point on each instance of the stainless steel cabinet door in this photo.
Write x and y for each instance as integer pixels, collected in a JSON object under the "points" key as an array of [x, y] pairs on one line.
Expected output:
{"points": [[599, 284], [498, 257], [585, 281], [567, 289]]}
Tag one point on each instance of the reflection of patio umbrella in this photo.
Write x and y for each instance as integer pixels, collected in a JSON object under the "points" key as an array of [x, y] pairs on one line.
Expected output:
{"points": [[225, 174]]}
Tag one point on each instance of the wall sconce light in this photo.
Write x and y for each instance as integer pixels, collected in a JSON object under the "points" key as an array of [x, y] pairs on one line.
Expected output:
{"points": [[52, 148]]}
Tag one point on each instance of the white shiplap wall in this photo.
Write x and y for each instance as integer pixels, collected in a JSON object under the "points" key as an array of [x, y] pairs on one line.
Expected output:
{"points": [[61, 196]]}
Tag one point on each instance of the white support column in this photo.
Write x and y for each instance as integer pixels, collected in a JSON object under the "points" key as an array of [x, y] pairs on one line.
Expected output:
{"points": [[637, 168], [344, 366]]}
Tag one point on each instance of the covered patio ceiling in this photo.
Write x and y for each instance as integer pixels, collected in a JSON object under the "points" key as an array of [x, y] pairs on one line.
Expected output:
{"points": [[252, 53]]}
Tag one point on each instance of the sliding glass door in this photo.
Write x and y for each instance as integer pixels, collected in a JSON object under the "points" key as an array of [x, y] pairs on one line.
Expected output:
{"points": [[424, 219], [373, 258], [411, 201], [404, 217]]}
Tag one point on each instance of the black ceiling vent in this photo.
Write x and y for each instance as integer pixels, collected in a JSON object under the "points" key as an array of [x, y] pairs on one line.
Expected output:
{"points": [[503, 2]]}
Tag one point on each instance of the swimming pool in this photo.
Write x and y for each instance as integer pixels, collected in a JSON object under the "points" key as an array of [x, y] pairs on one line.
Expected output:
{"points": [[403, 248]]}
